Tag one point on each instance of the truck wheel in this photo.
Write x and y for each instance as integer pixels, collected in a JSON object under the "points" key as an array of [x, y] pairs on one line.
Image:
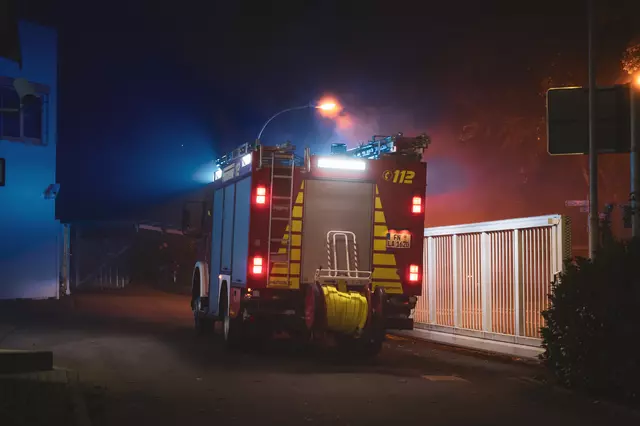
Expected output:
{"points": [[370, 342], [201, 323], [231, 327], [375, 331], [312, 308]]}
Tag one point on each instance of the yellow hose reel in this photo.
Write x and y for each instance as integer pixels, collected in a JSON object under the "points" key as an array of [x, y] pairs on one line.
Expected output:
{"points": [[346, 311]]}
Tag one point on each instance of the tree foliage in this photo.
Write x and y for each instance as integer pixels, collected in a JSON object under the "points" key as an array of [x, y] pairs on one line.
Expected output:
{"points": [[631, 58], [593, 323]]}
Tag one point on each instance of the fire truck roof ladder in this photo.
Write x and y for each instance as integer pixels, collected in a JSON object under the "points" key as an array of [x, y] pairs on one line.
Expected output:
{"points": [[282, 164]]}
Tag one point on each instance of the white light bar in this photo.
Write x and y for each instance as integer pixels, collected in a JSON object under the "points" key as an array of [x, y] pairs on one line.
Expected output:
{"points": [[246, 160], [217, 174], [341, 163]]}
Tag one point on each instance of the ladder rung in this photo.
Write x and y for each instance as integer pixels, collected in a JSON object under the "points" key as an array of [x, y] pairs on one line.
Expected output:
{"points": [[281, 218], [279, 240], [279, 255], [280, 197], [280, 207], [283, 176]]}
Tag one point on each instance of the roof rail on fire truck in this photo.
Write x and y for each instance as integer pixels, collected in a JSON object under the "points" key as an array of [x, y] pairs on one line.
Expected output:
{"points": [[378, 145]]}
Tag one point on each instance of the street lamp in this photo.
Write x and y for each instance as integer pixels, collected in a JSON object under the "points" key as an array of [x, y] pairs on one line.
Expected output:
{"points": [[325, 106]]}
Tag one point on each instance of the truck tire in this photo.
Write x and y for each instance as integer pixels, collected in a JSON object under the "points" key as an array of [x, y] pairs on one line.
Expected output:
{"points": [[232, 328], [313, 308], [370, 343], [375, 331], [201, 323]]}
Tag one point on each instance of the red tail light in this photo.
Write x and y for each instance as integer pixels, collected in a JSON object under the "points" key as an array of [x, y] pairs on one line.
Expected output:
{"points": [[261, 195], [416, 205], [257, 265], [414, 273]]}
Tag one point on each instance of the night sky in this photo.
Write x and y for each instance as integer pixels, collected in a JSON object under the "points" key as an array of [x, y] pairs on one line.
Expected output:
{"points": [[152, 91]]}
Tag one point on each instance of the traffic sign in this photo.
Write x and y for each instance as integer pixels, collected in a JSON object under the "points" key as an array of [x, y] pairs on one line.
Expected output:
{"points": [[576, 203], [568, 120]]}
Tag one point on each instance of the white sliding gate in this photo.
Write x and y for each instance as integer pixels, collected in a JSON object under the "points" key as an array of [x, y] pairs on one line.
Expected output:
{"points": [[491, 280]]}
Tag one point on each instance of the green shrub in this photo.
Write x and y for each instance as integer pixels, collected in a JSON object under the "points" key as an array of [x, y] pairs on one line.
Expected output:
{"points": [[592, 333]]}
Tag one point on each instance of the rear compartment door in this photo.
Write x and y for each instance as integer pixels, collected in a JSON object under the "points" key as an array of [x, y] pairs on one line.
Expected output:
{"points": [[336, 206]]}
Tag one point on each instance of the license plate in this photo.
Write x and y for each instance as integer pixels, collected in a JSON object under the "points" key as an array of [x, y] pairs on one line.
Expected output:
{"points": [[399, 239]]}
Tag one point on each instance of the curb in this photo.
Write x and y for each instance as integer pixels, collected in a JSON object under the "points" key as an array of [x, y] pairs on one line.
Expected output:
{"points": [[18, 361], [522, 357]]}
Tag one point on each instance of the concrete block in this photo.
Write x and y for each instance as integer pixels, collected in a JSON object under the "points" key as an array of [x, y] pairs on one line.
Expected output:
{"points": [[18, 361]]}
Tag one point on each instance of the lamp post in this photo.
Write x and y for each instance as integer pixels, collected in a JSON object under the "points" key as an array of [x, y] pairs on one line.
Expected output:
{"points": [[594, 221], [634, 88], [327, 106]]}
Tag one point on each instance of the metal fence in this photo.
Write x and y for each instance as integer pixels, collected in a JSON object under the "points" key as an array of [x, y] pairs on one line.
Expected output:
{"points": [[491, 280], [100, 255]]}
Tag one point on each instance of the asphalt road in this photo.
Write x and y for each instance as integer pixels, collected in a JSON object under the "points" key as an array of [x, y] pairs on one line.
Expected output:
{"points": [[141, 364]]}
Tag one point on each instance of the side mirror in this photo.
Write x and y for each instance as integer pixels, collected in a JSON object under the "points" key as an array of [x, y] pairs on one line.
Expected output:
{"points": [[193, 218]]}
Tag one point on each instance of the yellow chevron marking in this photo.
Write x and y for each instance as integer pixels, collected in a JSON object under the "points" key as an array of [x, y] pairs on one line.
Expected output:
{"points": [[281, 268], [391, 287], [384, 259], [380, 231], [297, 212], [387, 274], [378, 217], [293, 283], [380, 245], [295, 254], [296, 239]]}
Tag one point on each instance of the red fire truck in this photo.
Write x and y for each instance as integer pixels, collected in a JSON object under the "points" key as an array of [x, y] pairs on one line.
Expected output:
{"points": [[318, 247]]}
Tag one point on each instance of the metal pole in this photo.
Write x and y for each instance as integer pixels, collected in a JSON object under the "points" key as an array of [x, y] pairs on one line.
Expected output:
{"points": [[634, 166], [593, 154], [282, 112]]}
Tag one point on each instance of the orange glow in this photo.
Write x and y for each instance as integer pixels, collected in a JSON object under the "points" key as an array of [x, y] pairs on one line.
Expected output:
{"points": [[344, 121], [636, 80], [328, 107]]}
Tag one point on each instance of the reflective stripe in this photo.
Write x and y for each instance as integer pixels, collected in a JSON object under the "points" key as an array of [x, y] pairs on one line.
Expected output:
{"points": [[380, 231], [379, 245], [388, 259], [378, 217]]}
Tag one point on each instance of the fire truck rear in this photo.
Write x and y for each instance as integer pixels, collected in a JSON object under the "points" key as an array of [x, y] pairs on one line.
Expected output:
{"points": [[318, 247]]}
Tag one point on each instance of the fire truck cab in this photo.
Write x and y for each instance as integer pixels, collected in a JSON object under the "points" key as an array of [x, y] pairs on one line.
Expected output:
{"points": [[315, 246]]}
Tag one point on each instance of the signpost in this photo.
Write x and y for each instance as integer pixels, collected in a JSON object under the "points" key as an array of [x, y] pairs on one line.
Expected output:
{"points": [[576, 203], [616, 120], [568, 118]]}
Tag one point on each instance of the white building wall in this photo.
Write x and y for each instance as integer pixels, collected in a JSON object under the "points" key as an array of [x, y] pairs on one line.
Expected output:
{"points": [[30, 235]]}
